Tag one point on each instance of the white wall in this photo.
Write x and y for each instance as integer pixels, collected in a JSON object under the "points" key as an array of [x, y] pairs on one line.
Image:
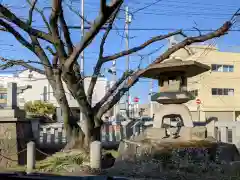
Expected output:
{"points": [[38, 82]]}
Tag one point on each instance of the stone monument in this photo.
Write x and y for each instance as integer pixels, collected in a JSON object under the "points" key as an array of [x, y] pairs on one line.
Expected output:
{"points": [[15, 131], [173, 114]]}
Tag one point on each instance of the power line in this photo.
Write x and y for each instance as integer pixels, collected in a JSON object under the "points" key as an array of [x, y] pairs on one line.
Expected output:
{"points": [[147, 6], [158, 29], [172, 13], [187, 3]]}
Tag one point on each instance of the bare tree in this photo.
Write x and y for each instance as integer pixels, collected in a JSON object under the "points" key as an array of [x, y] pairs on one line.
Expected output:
{"points": [[62, 65]]}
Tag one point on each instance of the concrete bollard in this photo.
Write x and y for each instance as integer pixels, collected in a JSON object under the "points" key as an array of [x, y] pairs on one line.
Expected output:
{"points": [[95, 155], [31, 150]]}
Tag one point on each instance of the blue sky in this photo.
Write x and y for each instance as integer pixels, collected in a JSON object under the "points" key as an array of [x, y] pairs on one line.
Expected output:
{"points": [[167, 14]]}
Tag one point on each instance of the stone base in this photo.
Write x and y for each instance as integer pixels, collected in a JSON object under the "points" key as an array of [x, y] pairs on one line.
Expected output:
{"points": [[154, 133], [186, 133], [167, 110]]}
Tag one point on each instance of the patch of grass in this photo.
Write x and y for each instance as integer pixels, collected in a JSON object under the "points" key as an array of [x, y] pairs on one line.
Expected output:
{"points": [[59, 162], [63, 161]]}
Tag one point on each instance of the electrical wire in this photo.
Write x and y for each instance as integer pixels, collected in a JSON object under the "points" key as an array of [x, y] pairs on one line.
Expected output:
{"points": [[147, 6]]}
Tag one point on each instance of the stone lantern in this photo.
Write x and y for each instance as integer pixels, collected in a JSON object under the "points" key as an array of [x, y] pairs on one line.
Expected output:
{"points": [[172, 78]]}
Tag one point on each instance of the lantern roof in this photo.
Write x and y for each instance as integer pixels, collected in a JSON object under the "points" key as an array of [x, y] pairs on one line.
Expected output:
{"points": [[175, 67]]}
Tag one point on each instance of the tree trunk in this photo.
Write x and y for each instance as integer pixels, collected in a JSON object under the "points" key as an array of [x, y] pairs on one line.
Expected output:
{"points": [[75, 135], [89, 125], [91, 131], [79, 137]]}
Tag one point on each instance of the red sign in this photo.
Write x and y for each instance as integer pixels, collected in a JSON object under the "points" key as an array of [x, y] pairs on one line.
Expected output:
{"points": [[198, 101], [136, 99]]}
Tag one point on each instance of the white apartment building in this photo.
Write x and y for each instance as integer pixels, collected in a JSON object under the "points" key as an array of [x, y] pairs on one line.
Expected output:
{"points": [[41, 89]]}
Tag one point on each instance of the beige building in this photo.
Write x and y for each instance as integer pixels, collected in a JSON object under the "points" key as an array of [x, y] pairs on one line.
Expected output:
{"points": [[218, 89]]}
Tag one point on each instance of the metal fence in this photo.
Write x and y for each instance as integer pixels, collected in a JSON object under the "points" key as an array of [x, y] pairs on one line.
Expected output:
{"points": [[54, 133], [228, 132]]}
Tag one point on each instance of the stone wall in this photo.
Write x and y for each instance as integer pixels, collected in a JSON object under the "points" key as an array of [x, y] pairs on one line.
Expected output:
{"points": [[15, 131], [14, 137], [24, 135], [8, 145]]}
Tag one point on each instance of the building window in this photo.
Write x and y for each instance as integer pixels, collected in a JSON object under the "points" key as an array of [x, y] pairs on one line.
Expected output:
{"points": [[229, 137], [223, 91], [3, 95], [222, 68], [21, 100], [194, 93]]}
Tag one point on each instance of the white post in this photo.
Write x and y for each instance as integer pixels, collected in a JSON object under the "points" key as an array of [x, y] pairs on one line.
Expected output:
{"points": [[234, 135], [30, 157], [198, 110], [234, 115], [95, 155], [150, 91], [224, 134]]}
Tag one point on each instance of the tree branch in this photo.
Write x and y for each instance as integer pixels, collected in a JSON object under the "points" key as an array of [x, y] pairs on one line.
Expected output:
{"points": [[51, 50], [17, 35], [10, 63], [3, 29], [134, 78], [78, 14], [66, 33], [56, 11], [112, 90], [93, 31], [219, 32], [34, 47], [99, 64], [55, 62], [138, 48], [30, 13], [103, 6], [115, 98], [14, 19], [41, 12]]}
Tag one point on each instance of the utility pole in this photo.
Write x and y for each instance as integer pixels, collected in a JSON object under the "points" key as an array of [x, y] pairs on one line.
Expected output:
{"points": [[82, 54], [150, 92], [82, 34], [127, 22], [114, 79]]}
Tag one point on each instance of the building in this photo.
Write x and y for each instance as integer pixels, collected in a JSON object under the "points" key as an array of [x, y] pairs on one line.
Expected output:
{"points": [[41, 89], [218, 89]]}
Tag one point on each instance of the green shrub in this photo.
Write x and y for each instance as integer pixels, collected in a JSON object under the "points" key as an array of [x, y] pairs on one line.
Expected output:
{"points": [[39, 108]]}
